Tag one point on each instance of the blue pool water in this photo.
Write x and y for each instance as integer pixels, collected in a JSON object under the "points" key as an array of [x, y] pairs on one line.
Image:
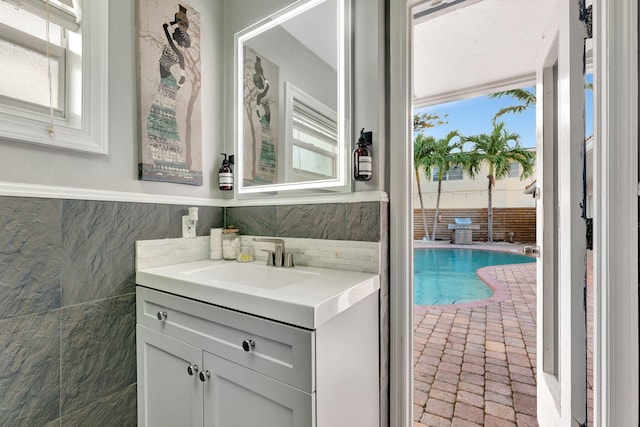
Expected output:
{"points": [[448, 276]]}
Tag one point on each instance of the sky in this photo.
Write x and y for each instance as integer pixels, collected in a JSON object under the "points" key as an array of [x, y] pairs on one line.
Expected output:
{"points": [[473, 116]]}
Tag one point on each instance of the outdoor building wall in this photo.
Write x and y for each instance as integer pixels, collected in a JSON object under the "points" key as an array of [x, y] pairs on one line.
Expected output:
{"points": [[472, 193]]}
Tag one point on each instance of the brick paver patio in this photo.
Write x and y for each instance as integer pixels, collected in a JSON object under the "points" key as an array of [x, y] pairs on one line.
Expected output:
{"points": [[475, 364]]}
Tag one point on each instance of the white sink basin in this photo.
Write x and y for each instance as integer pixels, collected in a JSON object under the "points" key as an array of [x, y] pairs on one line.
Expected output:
{"points": [[302, 296], [257, 275]]}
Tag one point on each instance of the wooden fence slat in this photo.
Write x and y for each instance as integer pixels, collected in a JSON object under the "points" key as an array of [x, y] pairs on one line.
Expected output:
{"points": [[519, 221]]}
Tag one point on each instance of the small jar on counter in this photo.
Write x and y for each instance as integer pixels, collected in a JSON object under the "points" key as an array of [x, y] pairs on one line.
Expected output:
{"points": [[230, 243], [246, 252]]}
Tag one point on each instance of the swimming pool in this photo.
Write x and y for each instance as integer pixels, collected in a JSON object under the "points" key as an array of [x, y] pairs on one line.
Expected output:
{"points": [[448, 276]]}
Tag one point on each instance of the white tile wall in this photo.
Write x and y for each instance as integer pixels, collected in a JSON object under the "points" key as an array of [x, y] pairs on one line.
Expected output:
{"points": [[156, 253], [338, 254]]}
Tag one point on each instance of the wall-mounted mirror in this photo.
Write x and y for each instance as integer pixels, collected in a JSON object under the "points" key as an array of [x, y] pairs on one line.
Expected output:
{"points": [[291, 103]]}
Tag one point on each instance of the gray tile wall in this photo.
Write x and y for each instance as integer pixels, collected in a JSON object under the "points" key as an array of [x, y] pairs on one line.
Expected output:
{"points": [[333, 221], [67, 307], [67, 295]]}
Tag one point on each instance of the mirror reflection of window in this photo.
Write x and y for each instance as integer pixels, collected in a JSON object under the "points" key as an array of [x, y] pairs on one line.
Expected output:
{"points": [[307, 43], [312, 137], [315, 144]]}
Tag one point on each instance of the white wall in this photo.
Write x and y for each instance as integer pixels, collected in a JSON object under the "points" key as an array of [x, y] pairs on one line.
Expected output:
{"points": [[24, 163], [305, 70], [472, 193]]}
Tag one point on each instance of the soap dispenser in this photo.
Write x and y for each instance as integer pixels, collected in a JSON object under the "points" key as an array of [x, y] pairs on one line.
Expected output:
{"points": [[225, 173], [362, 164]]}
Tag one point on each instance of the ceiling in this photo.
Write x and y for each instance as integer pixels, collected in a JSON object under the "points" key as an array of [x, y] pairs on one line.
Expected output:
{"points": [[473, 47], [317, 29]]}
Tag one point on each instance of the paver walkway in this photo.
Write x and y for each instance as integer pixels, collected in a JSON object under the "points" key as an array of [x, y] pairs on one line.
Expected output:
{"points": [[476, 365]]}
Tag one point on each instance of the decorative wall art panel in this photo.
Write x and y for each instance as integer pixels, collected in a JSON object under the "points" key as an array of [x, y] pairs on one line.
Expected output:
{"points": [[261, 109], [169, 92]]}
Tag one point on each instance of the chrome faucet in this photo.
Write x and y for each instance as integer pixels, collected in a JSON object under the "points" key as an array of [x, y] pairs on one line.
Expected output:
{"points": [[278, 257]]}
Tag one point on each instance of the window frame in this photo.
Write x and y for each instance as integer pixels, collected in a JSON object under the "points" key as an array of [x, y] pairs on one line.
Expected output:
{"points": [[39, 46], [294, 96], [448, 176], [512, 166], [84, 126]]}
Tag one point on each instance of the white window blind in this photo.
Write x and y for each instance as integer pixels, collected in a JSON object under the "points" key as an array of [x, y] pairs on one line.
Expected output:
{"points": [[74, 115], [315, 142], [65, 13]]}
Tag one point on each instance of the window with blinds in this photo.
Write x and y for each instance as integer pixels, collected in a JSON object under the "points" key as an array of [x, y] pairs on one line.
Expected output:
{"points": [[30, 56], [52, 90], [315, 143], [454, 174], [514, 170], [313, 137]]}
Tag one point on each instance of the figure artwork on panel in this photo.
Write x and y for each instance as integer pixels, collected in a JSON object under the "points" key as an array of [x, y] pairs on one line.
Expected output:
{"points": [[261, 88], [169, 102]]}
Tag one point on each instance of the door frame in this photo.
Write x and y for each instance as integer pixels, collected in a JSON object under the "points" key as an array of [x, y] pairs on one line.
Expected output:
{"points": [[400, 186], [561, 232], [616, 213], [616, 358]]}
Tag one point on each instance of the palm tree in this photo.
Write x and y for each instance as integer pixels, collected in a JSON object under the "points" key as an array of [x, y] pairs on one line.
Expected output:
{"points": [[421, 151], [498, 150], [445, 154], [525, 98]]}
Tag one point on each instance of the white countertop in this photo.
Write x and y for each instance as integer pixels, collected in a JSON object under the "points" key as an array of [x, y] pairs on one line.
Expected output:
{"points": [[301, 296]]}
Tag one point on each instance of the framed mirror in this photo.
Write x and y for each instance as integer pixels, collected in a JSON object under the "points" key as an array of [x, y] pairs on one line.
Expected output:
{"points": [[291, 100]]}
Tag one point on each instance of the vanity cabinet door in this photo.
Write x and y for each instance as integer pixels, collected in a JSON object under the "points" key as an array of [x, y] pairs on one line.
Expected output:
{"points": [[235, 396], [281, 351], [169, 388]]}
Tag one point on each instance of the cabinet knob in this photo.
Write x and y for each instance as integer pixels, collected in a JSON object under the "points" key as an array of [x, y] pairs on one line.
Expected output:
{"points": [[248, 345], [204, 376], [162, 316], [192, 369]]}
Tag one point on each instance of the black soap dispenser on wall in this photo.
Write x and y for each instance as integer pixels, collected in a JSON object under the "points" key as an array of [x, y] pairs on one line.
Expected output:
{"points": [[362, 164], [225, 173]]}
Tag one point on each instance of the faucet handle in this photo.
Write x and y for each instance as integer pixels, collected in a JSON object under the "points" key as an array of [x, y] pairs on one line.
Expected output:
{"points": [[276, 258], [271, 257], [288, 260]]}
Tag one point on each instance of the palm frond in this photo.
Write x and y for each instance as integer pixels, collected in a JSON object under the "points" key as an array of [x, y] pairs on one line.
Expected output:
{"points": [[525, 98], [515, 109], [442, 154], [428, 120], [520, 94]]}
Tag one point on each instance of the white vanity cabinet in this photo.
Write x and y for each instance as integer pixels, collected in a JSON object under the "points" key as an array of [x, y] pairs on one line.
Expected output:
{"points": [[204, 365], [186, 386], [167, 394]]}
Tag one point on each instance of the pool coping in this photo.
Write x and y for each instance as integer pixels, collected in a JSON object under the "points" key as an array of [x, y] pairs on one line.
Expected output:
{"points": [[500, 289]]}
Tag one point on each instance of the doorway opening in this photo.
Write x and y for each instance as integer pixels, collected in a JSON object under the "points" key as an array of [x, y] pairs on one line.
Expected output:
{"points": [[479, 364]]}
